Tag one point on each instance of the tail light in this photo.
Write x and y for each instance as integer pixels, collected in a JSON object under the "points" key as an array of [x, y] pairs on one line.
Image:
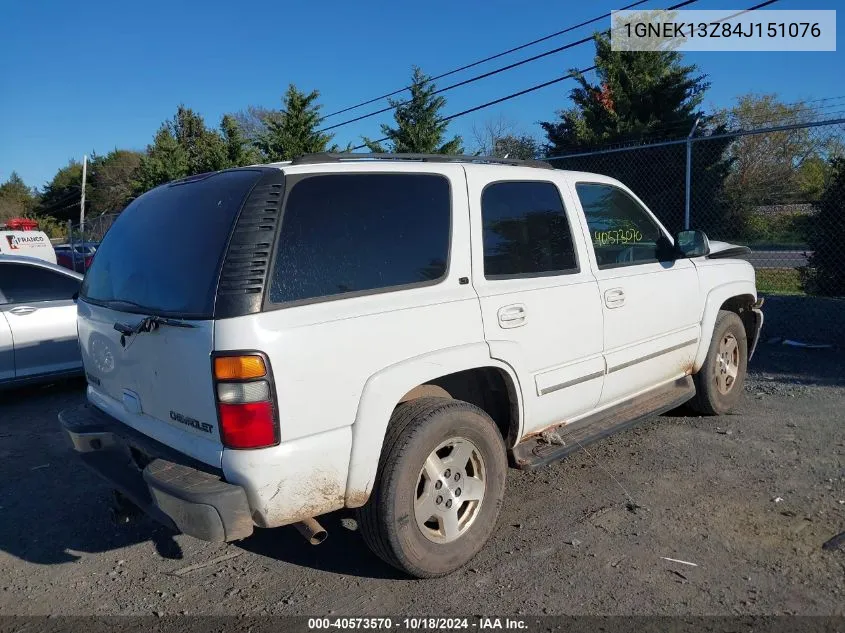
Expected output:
{"points": [[246, 407]]}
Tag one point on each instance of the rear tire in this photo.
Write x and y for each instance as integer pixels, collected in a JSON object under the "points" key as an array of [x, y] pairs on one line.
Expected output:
{"points": [[438, 489], [720, 380]]}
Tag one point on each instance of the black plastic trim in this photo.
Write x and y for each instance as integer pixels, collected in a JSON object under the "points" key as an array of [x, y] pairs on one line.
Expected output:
{"points": [[246, 266], [178, 493], [337, 157], [730, 253]]}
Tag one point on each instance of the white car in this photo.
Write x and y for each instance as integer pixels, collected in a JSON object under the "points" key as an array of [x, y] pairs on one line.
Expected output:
{"points": [[385, 333], [38, 339]]}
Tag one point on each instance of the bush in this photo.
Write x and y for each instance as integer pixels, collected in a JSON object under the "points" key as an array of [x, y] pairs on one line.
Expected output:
{"points": [[778, 228], [825, 274]]}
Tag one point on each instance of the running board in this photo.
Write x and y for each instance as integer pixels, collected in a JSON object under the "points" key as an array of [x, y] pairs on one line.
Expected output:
{"points": [[542, 449]]}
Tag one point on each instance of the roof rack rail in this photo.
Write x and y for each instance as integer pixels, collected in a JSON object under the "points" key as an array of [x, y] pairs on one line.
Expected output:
{"points": [[337, 157]]}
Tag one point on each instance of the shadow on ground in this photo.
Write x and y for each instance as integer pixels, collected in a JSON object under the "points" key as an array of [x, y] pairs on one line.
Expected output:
{"points": [[343, 552], [795, 365], [805, 318], [52, 507], [55, 510]]}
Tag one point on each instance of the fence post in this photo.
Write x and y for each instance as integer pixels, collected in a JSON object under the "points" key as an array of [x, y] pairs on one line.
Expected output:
{"points": [[688, 185]]}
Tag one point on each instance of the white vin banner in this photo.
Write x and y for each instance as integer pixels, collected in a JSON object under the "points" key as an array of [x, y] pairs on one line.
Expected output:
{"points": [[723, 30]]}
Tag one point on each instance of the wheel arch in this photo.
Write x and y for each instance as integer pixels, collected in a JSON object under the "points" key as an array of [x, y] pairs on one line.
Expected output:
{"points": [[458, 372], [736, 296]]}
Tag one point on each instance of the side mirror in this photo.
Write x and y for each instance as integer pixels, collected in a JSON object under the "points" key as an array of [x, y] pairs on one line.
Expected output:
{"points": [[692, 244]]}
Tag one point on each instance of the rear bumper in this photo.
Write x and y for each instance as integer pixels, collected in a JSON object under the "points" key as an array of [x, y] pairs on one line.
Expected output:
{"points": [[171, 488]]}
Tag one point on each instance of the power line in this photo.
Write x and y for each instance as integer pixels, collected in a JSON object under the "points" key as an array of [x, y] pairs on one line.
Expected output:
{"points": [[56, 205], [495, 71], [680, 131], [553, 81], [495, 101], [487, 59]]}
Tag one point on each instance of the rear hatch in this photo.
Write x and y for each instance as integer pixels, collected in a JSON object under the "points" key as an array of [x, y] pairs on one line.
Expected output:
{"points": [[146, 308]]}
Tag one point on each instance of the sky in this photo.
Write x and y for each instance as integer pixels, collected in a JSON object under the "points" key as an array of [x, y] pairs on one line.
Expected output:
{"points": [[77, 77]]}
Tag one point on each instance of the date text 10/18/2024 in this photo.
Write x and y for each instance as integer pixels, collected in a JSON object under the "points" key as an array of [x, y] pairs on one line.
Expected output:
{"points": [[421, 624]]}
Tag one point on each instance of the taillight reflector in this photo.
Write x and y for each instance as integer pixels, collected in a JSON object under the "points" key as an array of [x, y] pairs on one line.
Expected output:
{"points": [[239, 367], [248, 425]]}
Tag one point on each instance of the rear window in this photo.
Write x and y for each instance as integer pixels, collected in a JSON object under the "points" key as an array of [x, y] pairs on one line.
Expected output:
{"points": [[356, 233], [163, 254]]}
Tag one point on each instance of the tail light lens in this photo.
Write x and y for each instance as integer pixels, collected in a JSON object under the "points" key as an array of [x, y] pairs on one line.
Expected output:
{"points": [[248, 425], [245, 401]]}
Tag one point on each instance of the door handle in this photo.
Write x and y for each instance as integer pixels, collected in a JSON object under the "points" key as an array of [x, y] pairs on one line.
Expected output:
{"points": [[23, 310], [614, 298], [512, 316]]}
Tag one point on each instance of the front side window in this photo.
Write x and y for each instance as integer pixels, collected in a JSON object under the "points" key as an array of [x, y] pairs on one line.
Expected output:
{"points": [[22, 283], [622, 231], [526, 231], [353, 233]]}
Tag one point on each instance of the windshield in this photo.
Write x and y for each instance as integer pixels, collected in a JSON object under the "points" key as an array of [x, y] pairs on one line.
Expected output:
{"points": [[163, 254]]}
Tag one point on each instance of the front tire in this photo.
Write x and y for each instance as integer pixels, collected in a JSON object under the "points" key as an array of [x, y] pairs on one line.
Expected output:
{"points": [[719, 382], [439, 487]]}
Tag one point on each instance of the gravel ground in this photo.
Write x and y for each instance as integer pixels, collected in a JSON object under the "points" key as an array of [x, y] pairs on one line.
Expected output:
{"points": [[749, 498]]}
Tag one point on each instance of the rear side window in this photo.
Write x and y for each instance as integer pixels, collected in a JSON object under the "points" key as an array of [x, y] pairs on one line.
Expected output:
{"points": [[526, 231], [163, 254], [622, 231], [21, 283], [353, 233]]}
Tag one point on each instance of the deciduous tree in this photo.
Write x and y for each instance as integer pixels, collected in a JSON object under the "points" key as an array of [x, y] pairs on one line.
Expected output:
{"points": [[112, 179], [16, 198], [501, 138]]}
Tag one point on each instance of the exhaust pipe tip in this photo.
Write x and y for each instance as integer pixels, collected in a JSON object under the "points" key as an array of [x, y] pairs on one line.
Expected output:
{"points": [[312, 531], [121, 510], [117, 517]]}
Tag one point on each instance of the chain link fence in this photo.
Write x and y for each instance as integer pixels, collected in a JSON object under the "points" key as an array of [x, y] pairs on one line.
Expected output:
{"points": [[83, 240], [770, 189], [774, 190]]}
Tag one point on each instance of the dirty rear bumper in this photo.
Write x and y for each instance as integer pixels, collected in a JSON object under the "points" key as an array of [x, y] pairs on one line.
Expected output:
{"points": [[166, 485]]}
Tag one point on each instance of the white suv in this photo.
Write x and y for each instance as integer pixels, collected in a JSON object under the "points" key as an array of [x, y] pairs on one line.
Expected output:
{"points": [[268, 344]]}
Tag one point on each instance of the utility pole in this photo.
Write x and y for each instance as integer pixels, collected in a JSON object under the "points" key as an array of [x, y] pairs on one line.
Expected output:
{"points": [[82, 202]]}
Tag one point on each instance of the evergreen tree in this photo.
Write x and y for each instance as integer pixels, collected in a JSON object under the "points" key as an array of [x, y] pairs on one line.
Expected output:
{"points": [[239, 151], [418, 125], [61, 196], [165, 160], [639, 96], [183, 146], [646, 97], [293, 131]]}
